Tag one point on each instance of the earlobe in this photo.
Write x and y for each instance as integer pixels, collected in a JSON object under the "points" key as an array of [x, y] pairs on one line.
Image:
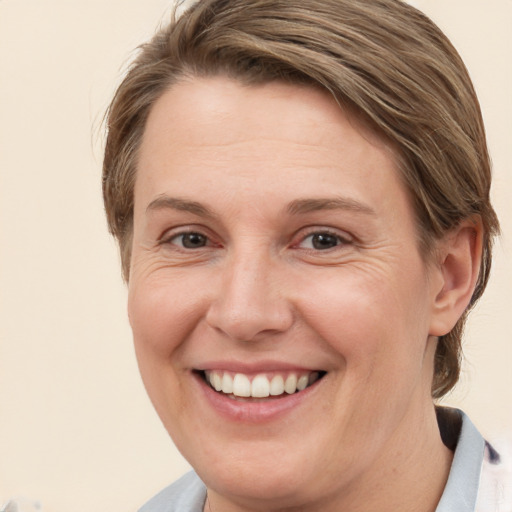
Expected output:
{"points": [[459, 264]]}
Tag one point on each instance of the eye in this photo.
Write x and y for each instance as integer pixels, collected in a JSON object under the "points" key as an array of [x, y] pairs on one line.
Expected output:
{"points": [[190, 240], [321, 241]]}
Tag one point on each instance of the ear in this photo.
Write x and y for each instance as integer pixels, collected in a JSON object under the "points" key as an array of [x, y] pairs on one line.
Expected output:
{"points": [[459, 256]]}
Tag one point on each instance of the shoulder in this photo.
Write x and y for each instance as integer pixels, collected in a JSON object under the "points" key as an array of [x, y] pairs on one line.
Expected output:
{"points": [[185, 495]]}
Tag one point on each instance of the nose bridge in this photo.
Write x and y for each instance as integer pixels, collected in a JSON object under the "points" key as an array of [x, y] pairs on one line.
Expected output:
{"points": [[250, 300]]}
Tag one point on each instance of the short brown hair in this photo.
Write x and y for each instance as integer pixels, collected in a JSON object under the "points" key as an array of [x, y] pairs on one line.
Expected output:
{"points": [[382, 58]]}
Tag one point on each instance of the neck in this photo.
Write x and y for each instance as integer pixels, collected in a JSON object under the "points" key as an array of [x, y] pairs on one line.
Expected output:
{"points": [[409, 476]]}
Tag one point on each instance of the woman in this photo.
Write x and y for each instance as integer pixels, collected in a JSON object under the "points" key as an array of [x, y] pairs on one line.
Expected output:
{"points": [[300, 191]]}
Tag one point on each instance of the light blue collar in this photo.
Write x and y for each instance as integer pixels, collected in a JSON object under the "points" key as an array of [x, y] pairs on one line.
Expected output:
{"points": [[460, 492]]}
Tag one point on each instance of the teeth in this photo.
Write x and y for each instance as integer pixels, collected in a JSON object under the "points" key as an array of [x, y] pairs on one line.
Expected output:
{"points": [[302, 383], [260, 386], [241, 385], [277, 385], [313, 378], [227, 384], [290, 385], [216, 381]]}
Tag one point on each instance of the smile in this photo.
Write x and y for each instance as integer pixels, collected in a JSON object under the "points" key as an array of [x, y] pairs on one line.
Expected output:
{"points": [[261, 385]]}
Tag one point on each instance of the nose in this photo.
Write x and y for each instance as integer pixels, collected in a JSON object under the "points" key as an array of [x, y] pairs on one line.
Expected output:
{"points": [[251, 301]]}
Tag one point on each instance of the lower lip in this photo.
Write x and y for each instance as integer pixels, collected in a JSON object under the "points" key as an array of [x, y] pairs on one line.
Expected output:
{"points": [[257, 411]]}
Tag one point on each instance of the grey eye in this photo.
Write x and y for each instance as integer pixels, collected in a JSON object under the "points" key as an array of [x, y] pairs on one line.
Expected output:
{"points": [[324, 241], [321, 241], [191, 240]]}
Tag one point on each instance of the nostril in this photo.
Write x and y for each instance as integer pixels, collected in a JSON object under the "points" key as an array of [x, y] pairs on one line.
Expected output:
{"points": [[251, 322]]}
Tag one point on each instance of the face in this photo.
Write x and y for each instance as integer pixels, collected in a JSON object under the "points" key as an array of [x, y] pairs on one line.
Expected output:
{"points": [[279, 304]]}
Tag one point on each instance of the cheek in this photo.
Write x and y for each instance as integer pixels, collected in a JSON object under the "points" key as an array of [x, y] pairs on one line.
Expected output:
{"points": [[162, 313], [374, 320], [160, 319]]}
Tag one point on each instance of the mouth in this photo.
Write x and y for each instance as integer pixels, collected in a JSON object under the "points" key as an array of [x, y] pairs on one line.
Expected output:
{"points": [[260, 386]]}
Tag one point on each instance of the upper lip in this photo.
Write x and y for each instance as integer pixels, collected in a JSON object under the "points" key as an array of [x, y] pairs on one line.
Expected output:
{"points": [[254, 368]]}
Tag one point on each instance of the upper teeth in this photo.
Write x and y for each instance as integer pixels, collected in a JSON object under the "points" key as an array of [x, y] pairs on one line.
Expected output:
{"points": [[261, 385]]}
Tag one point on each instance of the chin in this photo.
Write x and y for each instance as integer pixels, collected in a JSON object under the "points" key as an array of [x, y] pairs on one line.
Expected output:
{"points": [[270, 484], [259, 473]]}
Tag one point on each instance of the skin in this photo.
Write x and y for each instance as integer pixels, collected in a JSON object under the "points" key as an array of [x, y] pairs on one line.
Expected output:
{"points": [[240, 164]]}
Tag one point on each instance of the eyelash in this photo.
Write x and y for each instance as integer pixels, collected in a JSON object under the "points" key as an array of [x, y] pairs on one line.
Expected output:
{"points": [[328, 234], [170, 239], [340, 240]]}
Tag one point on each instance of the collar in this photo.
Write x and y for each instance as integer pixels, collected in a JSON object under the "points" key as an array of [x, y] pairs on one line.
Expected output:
{"points": [[457, 431]]}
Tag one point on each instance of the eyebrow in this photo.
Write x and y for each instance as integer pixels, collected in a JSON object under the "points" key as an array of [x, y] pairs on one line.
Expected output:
{"points": [[301, 206], [175, 203], [296, 207]]}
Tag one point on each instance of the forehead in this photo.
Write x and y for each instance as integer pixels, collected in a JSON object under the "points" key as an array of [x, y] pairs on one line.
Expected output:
{"points": [[274, 138], [213, 100]]}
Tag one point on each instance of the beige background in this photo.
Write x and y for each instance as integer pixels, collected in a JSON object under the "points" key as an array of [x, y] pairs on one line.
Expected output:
{"points": [[77, 432]]}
